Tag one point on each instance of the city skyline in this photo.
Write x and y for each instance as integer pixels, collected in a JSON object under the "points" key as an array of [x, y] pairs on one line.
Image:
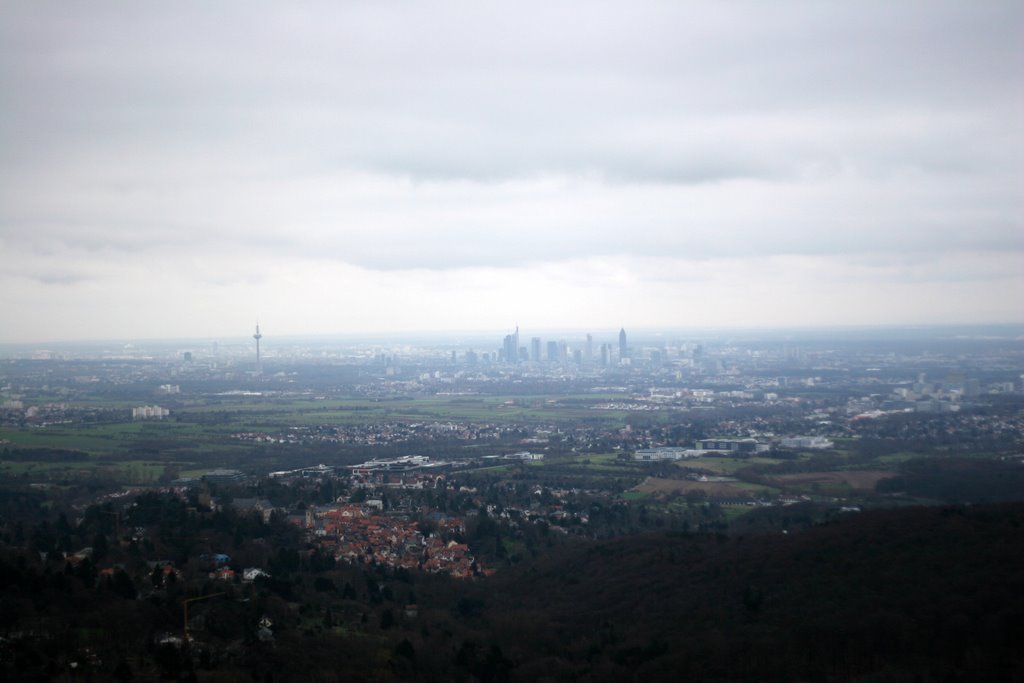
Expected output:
{"points": [[595, 346], [358, 169]]}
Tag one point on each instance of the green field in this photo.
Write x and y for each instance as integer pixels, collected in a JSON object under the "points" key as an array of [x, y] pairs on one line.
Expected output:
{"points": [[897, 458], [129, 472], [278, 411], [106, 439], [211, 422], [198, 437], [725, 465]]}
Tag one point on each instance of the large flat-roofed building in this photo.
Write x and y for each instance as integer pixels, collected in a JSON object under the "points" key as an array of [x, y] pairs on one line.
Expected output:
{"points": [[664, 453], [732, 446]]}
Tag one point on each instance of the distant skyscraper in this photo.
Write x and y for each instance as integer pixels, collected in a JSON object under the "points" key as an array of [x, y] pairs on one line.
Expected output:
{"points": [[623, 349], [604, 355], [535, 349], [590, 348], [553, 351], [510, 347]]}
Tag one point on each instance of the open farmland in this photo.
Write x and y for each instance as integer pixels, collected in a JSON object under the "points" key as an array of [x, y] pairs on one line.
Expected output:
{"points": [[714, 489], [858, 480], [724, 464]]}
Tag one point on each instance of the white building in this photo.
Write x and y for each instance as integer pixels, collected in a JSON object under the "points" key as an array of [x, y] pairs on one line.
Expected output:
{"points": [[250, 574], [664, 453], [523, 455], [150, 413], [806, 442]]}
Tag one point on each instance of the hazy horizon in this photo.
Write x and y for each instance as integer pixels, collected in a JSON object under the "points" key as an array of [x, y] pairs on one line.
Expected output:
{"points": [[182, 171], [482, 337]]}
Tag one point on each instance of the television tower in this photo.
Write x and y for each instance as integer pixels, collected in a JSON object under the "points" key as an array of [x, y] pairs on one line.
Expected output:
{"points": [[257, 337]]}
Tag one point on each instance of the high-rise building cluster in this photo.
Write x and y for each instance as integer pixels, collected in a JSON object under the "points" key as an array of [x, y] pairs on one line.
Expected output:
{"points": [[514, 351], [560, 351]]}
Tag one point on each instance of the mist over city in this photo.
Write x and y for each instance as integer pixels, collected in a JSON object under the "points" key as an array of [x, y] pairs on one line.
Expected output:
{"points": [[489, 343]]}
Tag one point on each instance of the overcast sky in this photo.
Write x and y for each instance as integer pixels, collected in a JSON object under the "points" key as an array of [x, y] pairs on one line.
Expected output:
{"points": [[182, 169]]}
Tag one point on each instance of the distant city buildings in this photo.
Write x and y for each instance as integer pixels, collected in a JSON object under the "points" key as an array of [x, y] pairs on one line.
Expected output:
{"points": [[553, 351], [510, 347], [149, 413]]}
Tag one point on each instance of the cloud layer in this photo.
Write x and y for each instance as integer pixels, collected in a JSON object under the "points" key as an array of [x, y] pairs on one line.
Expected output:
{"points": [[181, 169]]}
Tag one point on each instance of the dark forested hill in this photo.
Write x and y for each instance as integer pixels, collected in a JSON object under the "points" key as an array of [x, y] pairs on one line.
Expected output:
{"points": [[914, 594], [923, 594]]}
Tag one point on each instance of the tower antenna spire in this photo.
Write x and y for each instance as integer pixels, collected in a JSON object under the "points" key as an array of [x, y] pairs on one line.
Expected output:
{"points": [[257, 337]]}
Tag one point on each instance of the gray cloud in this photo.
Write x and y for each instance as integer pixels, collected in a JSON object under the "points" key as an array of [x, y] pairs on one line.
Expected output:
{"points": [[61, 278], [455, 137]]}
